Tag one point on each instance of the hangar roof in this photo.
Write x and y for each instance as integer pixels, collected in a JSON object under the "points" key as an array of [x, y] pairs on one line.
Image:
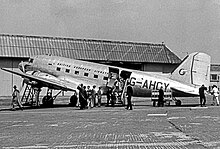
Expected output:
{"points": [[85, 49]]}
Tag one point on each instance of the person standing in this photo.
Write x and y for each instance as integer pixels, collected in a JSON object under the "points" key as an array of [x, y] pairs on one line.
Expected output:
{"points": [[109, 93], [85, 95], [73, 99], [99, 95], [202, 95], [82, 96], [161, 97], [16, 98], [129, 95], [215, 93], [94, 96], [89, 95]]}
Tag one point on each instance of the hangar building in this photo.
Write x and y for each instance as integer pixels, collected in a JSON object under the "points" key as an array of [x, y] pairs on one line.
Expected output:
{"points": [[214, 75], [141, 56]]}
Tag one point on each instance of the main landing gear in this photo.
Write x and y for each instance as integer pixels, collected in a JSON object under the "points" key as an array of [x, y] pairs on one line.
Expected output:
{"points": [[48, 100], [177, 101], [167, 98], [31, 96]]}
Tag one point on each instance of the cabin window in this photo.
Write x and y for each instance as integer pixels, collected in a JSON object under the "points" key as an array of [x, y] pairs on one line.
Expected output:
{"points": [[95, 76], [105, 78], [86, 74], [67, 70], [58, 68], [76, 72]]}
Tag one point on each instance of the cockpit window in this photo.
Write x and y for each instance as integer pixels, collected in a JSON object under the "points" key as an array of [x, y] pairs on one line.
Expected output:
{"points": [[31, 60]]}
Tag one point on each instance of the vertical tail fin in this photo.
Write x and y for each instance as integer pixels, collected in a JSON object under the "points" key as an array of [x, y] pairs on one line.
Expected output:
{"points": [[194, 70]]}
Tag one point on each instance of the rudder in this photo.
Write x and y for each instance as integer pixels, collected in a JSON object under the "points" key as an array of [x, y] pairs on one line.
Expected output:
{"points": [[194, 70]]}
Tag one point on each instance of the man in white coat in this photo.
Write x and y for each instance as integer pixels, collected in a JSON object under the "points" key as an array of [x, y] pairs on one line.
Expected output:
{"points": [[215, 93]]}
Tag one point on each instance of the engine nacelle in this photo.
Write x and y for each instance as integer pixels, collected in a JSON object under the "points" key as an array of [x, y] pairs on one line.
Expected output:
{"points": [[45, 76], [41, 75]]}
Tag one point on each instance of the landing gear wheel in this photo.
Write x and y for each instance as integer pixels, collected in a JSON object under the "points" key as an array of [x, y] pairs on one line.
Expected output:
{"points": [[47, 101], [73, 101], [154, 103], [168, 103], [178, 103]]}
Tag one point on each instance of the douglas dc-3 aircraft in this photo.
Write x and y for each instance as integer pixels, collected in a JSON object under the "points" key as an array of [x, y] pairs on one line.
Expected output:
{"points": [[66, 74]]}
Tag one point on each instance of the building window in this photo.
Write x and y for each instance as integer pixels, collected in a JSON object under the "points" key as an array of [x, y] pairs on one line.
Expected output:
{"points": [[86, 74], [76, 72], [95, 76], [58, 68], [67, 70], [214, 78]]}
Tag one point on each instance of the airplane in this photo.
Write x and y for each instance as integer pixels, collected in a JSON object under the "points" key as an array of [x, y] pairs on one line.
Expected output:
{"points": [[64, 74]]}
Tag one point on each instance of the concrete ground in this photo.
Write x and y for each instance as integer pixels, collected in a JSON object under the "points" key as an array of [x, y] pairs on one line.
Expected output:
{"points": [[187, 126]]}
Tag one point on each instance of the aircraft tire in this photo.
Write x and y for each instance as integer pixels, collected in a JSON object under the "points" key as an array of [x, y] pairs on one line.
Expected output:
{"points": [[154, 103], [73, 101], [178, 103], [47, 101]]}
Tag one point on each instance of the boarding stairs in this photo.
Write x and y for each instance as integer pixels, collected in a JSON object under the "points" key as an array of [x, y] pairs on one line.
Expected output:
{"points": [[167, 97], [28, 97], [123, 94]]}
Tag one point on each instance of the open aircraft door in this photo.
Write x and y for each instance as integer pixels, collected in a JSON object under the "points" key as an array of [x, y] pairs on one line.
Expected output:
{"points": [[113, 75], [125, 74]]}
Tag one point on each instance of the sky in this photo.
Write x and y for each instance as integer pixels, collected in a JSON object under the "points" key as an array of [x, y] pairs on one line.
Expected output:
{"points": [[185, 26]]}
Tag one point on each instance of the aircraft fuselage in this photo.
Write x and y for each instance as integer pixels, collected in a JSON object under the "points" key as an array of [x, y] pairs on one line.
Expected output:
{"points": [[69, 69]]}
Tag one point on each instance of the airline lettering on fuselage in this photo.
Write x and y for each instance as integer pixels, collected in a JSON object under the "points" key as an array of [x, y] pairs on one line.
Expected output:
{"points": [[150, 84], [62, 64]]}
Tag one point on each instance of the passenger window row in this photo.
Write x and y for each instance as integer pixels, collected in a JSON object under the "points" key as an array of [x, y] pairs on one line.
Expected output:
{"points": [[85, 74]]}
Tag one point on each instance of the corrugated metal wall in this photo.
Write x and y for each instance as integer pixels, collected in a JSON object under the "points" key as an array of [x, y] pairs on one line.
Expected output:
{"points": [[8, 79]]}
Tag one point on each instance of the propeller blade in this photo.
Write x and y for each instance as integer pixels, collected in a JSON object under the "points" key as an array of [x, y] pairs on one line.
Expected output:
{"points": [[22, 87], [22, 63]]}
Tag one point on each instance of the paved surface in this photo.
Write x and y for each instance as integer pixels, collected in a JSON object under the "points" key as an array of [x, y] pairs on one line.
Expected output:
{"points": [[144, 127]]}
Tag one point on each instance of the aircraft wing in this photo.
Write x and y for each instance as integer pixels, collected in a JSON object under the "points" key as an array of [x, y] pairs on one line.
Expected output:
{"points": [[60, 85]]}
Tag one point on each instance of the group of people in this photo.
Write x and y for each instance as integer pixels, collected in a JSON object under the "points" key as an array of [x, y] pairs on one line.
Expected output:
{"points": [[214, 92], [115, 92], [87, 96]]}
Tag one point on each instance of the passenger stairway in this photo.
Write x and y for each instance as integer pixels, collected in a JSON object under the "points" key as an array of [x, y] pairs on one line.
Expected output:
{"points": [[28, 96], [123, 94]]}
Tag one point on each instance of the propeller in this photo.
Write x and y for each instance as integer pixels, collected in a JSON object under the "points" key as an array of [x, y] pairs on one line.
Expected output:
{"points": [[22, 66]]}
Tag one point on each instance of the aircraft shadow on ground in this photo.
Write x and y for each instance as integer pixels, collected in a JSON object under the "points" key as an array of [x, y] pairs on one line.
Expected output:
{"points": [[135, 104]]}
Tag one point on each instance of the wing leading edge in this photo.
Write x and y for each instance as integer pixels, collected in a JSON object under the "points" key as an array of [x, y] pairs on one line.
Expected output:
{"points": [[59, 85]]}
